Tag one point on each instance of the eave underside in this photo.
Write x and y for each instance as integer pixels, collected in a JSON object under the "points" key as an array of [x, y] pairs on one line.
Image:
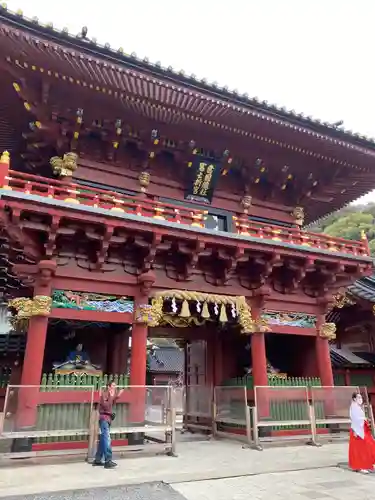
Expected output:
{"points": [[140, 93]]}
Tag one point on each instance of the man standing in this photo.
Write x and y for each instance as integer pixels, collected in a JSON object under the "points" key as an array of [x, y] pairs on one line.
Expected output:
{"points": [[106, 417]]}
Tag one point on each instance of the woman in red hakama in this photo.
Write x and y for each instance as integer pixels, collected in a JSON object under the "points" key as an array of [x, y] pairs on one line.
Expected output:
{"points": [[361, 443]]}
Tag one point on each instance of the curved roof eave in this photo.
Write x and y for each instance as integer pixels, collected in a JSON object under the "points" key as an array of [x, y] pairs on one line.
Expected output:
{"points": [[119, 57]]}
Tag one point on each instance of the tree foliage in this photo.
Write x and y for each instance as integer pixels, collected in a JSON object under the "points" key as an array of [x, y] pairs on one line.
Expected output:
{"points": [[349, 223]]}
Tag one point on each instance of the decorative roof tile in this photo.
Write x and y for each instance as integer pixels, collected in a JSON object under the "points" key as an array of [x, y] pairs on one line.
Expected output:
{"points": [[364, 288], [231, 96]]}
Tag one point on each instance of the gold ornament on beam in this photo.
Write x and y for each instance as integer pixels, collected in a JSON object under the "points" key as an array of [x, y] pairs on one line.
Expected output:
{"points": [[26, 308], [40, 305], [328, 331], [150, 315], [153, 315], [65, 166], [246, 203], [178, 322], [299, 215], [144, 181], [342, 299], [248, 325], [262, 325]]}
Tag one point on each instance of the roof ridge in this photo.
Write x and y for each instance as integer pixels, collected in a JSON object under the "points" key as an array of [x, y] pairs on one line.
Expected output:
{"points": [[333, 129]]}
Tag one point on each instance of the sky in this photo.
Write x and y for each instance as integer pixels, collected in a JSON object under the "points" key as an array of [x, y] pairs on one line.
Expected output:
{"points": [[311, 56]]}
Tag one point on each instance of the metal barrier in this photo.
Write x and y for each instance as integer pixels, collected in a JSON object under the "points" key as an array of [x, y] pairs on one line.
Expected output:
{"points": [[330, 407], [146, 416], [179, 398], [64, 420], [231, 414], [198, 413], [281, 409], [33, 417]]}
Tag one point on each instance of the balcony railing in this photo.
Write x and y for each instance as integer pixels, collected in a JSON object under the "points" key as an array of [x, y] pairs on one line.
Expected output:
{"points": [[146, 207]]}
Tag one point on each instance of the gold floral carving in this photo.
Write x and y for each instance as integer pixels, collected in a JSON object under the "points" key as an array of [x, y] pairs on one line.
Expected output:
{"points": [[40, 305], [65, 166], [151, 315], [328, 331], [248, 325], [342, 299], [177, 322], [262, 325], [299, 215]]}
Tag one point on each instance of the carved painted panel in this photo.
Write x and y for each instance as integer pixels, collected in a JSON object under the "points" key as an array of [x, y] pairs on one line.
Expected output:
{"points": [[299, 320], [65, 299]]}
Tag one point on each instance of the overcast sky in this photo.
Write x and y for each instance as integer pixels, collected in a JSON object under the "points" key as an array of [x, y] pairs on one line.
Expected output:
{"points": [[313, 56]]}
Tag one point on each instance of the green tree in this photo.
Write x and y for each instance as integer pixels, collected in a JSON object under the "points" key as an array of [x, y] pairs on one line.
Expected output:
{"points": [[351, 226]]}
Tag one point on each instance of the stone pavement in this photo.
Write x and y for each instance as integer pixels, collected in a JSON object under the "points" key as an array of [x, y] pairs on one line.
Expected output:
{"points": [[197, 461], [331, 483], [150, 491]]}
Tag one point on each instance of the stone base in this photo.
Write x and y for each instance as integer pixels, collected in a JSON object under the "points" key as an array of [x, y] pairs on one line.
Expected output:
{"points": [[136, 439], [22, 445]]}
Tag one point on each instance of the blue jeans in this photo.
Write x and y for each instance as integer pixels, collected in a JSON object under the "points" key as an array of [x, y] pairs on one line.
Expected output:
{"points": [[104, 445]]}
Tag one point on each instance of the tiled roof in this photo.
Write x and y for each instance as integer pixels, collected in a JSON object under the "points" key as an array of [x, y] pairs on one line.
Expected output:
{"points": [[166, 360], [367, 356], [345, 354], [364, 288], [132, 61], [341, 359], [12, 343]]}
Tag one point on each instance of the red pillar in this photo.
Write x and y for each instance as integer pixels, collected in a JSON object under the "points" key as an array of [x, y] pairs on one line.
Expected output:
{"points": [[34, 352], [138, 360], [323, 357], [259, 359]]}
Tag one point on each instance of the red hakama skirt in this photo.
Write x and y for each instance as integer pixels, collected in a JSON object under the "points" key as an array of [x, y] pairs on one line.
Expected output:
{"points": [[362, 451]]}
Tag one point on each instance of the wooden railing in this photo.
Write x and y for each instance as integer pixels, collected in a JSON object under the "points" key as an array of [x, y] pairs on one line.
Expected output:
{"points": [[100, 198], [297, 236], [147, 207]]}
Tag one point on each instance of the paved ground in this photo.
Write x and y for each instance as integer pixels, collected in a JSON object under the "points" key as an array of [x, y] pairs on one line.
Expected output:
{"points": [[210, 470], [151, 491], [330, 483]]}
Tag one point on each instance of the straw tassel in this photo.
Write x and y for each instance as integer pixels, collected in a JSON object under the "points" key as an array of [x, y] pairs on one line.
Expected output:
{"points": [[205, 312], [185, 311], [223, 318]]}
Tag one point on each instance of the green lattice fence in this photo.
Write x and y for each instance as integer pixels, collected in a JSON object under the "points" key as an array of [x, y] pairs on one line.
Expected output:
{"points": [[73, 415], [283, 410]]}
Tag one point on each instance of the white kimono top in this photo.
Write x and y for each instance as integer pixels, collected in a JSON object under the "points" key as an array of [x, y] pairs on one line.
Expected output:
{"points": [[357, 419]]}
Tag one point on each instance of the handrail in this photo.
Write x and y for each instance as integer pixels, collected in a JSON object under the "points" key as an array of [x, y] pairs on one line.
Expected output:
{"points": [[147, 207]]}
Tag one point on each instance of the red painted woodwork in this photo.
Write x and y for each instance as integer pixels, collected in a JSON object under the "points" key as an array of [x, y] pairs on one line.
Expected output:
{"points": [[71, 445], [4, 169], [96, 316], [324, 362], [117, 203], [69, 397], [259, 359], [138, 357], [104, 251]]}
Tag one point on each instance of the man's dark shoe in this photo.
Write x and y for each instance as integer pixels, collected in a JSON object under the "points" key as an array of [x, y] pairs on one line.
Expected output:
{"points": [[96, 463], [110, 465]]}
